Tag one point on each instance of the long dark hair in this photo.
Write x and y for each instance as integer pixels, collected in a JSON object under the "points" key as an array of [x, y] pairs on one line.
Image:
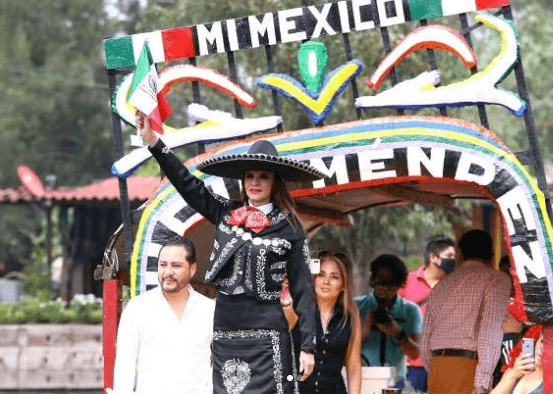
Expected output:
{"points": [[280, 196]]}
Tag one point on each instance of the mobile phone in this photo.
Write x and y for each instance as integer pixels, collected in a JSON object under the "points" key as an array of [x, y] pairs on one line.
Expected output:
{"points": [[315, 266], [528, 346]]}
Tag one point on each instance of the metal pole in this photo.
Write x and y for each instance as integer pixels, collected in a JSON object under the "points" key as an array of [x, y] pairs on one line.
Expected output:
{"points": [[123, 191], [531, 127]]}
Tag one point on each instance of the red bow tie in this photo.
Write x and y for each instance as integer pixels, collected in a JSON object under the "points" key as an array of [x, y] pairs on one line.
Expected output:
{"points": [[250, 217]]}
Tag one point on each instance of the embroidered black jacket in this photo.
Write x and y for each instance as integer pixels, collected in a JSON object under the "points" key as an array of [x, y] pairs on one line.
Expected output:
{"points": [[258, 262]]}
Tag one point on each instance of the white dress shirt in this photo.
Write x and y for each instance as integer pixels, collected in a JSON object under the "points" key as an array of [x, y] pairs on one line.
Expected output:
{"points": [[158, 353], [266, 209]]}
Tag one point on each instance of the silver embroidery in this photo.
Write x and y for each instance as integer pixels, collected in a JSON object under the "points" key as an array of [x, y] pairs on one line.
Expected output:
{"points": [[277, 277], [221, 257], [278, 216], [236, 375], [221, 199], [235, 272], [248, 276], [215, 248], [257, 334], [305, 250], [224, 228], [278, 265], [166, 150], [260, 278]]}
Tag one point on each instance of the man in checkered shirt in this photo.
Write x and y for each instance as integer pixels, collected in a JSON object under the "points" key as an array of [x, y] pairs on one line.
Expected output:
{"points": [[462, 333]]}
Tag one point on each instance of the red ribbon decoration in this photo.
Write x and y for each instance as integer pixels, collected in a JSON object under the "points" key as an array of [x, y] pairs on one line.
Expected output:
{"points": [[250, 217]]}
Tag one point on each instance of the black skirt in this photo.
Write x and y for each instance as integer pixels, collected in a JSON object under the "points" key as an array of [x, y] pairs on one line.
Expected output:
{"points": [[252, 348]]}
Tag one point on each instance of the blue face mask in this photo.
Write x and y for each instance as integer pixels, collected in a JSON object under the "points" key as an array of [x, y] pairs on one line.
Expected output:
{"points": [[448, 265]]}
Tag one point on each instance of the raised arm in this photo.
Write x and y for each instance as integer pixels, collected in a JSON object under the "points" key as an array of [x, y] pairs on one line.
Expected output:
{"points": [[193, 190]]}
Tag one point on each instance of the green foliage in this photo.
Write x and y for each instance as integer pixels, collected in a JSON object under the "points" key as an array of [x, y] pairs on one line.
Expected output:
{"points": [[402, 230], [37, 282], [82, 309], [413, 261], [54, 113]]}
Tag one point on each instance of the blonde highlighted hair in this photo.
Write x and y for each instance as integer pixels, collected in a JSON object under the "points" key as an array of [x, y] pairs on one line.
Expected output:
{"points": [[345, 299]]}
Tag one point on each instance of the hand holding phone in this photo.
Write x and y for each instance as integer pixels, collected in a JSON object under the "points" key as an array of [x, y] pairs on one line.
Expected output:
{"points": [[525, 363], [528, 346]]}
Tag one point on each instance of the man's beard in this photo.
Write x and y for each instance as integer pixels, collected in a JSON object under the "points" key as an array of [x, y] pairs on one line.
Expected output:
{"points": [[173, 286]]}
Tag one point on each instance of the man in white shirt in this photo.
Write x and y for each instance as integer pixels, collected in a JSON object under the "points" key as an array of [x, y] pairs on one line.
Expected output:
{"points": [[165, 334]]}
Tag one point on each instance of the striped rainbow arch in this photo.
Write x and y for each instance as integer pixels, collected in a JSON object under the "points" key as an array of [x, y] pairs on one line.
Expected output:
{"points": [[392, 149]]}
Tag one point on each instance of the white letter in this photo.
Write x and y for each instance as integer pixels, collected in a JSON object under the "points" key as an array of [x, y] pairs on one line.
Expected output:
{"points": [[534, 264], [434, 164], [368, 164], [337, 167], [231, 34], [266, 26], [515, 206], [321, 20], [286, 26], [215, 35], [463, 168], [359, 23], [344, 18]]}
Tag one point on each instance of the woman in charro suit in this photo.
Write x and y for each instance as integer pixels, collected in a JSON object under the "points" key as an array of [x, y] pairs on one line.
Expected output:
{"points": [[258, 241]]}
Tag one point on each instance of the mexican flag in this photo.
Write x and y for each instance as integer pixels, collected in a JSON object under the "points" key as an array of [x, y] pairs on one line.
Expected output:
{"points": [[145, 94]]}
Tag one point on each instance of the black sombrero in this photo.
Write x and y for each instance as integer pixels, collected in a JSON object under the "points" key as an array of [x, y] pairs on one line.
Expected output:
{"points": [[262, 155]]}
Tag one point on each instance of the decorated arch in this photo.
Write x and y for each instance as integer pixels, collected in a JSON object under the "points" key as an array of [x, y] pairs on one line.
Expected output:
{"points": [[368, 162], [388, 160]]}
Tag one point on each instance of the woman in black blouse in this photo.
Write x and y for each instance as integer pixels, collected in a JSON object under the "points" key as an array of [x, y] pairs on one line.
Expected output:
{"points": [[338, 330], [258, 241]]}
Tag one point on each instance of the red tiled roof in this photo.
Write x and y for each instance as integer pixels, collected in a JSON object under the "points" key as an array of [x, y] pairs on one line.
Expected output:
{"points": [[140, 188]]}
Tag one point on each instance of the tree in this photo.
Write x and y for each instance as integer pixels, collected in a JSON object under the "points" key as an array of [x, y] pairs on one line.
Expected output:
{"points": [[55, 117], [402, 230], [398, 229], [54, 112]]}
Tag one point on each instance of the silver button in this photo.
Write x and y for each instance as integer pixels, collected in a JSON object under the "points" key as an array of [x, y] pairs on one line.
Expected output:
{"points": [[289, 378], [246, 236]]}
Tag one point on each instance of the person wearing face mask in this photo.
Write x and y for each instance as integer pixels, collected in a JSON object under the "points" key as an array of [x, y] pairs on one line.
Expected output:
{"points": [[439, 260], [391, 325]]}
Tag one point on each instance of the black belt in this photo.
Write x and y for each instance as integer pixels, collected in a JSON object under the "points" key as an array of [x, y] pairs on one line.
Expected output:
{"points": [[456, 353]]}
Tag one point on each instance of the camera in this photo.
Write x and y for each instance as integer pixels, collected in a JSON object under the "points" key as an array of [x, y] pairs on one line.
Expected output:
{"points": [[381, 315]]}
